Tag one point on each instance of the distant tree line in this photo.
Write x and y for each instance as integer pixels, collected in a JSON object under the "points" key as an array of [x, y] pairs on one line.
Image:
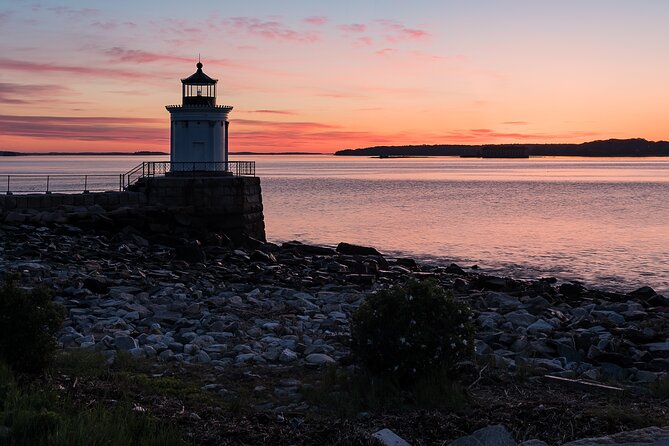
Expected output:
{"points": [[610, 147]]}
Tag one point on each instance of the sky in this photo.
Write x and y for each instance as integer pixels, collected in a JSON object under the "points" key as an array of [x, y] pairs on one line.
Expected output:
{"points": [[322, 75]]}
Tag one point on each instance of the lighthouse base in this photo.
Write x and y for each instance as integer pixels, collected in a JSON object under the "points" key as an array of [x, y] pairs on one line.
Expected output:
{"points": [[215, 203], [171, 205]]}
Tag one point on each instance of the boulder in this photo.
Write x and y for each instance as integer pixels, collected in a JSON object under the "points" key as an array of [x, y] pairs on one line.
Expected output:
{"points": [[650, 436], [308, 249], [319, 359], [571, 290], [502, 301], [540, 326], [389, 438], [347, 248], [520, 318], [645, 292], [125, 343]]}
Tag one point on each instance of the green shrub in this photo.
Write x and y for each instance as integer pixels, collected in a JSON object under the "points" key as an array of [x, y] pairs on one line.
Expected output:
{"points": [[28, 323], [408, 332]]}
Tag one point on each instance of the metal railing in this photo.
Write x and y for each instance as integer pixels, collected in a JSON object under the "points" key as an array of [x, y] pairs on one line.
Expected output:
{"points": [[190, 168], [29, 183]]}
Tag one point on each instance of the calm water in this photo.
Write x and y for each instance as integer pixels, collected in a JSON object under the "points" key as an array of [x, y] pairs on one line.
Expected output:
{"points": [[603, 221]]}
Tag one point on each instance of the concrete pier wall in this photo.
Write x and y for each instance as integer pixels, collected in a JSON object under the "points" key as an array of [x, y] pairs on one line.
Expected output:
{"points": [[170, 204]]}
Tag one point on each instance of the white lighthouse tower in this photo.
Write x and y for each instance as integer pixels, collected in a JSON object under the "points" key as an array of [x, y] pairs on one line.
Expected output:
{"points": [[199, 127]]}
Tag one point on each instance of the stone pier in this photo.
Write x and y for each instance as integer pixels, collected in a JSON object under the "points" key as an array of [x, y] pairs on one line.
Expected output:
{"points": [[171, 204]]}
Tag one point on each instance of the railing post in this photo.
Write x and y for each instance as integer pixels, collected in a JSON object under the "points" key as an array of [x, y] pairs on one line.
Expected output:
{"points": [[8, 191], [48, 178], [85, 184]]}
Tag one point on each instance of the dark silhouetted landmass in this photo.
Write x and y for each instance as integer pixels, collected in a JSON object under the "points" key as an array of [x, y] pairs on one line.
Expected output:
{"points": [[610, 147], [140, 153]]}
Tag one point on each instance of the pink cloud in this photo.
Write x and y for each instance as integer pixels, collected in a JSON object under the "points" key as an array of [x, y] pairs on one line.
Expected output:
{"points": [[363, 41], [273, 112], [112, 25], [20, 65], [295, 126], [386, 51], [353, 28], [18, 94], [74, 12], [398, 32], [316, 20], [120, 54], [4, 16], [85, 128], [491, 135], [271, 30]]}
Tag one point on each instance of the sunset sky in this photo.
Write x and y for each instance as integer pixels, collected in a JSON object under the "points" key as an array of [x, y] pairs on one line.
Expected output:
{"points": [[321, 76]]}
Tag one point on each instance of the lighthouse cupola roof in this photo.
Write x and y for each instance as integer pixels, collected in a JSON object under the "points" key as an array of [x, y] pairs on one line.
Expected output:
{"points": [[199, 89]]}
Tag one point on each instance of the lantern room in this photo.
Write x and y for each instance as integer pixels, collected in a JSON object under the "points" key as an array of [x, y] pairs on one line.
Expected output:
{"points": [[199, 89]]}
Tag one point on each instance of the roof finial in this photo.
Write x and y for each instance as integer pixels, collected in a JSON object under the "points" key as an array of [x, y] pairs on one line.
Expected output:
{"points": [[199, 63]]}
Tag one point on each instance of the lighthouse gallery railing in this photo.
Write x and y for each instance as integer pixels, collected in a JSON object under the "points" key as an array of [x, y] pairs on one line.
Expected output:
{"points": [[76, 183]]}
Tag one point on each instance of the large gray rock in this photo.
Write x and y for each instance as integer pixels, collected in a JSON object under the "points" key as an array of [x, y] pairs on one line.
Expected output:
{"points": [[540, 326], [520, 318], [502, 301], [319, 359], [389, 438], [650, 436], [125, 343], [488, 436]]}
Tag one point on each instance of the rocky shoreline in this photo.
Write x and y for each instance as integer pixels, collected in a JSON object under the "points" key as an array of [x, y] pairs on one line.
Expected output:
{"points": [[179, 301]]}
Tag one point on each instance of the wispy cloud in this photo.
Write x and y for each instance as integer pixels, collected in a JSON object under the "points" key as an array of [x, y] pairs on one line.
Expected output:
{"points": [[111, 25], [85, 128], [75, 13], [272, 112], [36, 67], [119, 54], [492, 135], [396, 31], [515, 123], [386, 51], [4, 16], [353, 28], [363, 41], [17, 94], [316, 20], [297, 126], [271, 30]]}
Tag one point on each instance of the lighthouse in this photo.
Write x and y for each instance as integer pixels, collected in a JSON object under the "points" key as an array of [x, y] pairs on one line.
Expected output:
{"points": [[199, 127]]}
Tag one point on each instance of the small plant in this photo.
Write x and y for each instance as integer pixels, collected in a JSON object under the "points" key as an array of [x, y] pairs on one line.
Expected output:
{"points": [[28, 323], [411, 332]]}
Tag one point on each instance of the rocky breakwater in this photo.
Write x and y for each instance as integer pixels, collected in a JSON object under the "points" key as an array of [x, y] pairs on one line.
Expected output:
{"points": [[179, 300]]}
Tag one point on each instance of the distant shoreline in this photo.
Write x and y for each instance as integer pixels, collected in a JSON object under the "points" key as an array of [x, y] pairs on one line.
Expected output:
{"points": [[604, 148]]}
